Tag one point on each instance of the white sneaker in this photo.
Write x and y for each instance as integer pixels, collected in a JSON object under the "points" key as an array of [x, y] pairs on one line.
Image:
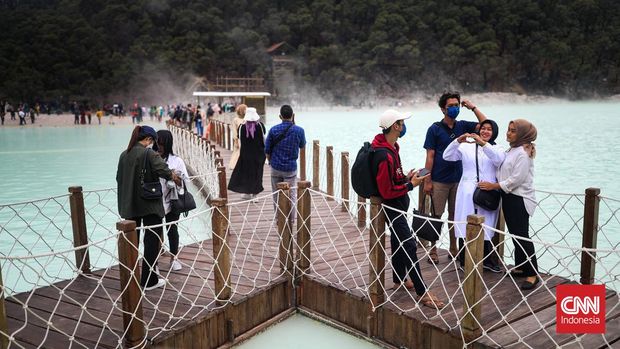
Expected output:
{"points": [[246, 197], [159, 283], [254, 199], [175, 265]]}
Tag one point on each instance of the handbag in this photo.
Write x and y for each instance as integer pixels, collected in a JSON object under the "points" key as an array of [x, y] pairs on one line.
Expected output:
{"points": [[150, 190], [487, 199], [184, 203], [423, 227]]}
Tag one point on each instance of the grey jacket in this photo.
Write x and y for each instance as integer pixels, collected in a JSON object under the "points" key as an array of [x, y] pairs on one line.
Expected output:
{"points": [[130, 202]]}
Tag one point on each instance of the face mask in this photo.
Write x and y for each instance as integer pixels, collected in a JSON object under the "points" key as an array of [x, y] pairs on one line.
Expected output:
{"points": [[453, 112], [150, 146], [403, 131]]}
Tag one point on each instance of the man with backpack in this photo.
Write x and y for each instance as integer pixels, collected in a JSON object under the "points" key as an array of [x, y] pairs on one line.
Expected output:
{"points": [[393, 187], [282, 149], [445, 175]]}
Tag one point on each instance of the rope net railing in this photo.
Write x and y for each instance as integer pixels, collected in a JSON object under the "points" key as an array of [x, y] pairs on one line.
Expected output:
{"points": [[230, 250], [341, 255], [87, 310]]}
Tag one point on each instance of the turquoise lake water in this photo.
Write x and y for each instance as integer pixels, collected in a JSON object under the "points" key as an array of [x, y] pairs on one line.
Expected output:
{"points": [[576, 149]]}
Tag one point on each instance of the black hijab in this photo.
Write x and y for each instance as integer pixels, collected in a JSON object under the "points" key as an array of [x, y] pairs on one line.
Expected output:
{"points": [[494, 127]]}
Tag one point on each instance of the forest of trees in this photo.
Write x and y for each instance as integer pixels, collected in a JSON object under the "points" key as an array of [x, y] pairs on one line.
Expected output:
{"points": [[109, 48]]}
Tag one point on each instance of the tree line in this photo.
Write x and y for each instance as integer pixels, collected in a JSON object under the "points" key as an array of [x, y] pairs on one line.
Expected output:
{"points": [[51, 49]]}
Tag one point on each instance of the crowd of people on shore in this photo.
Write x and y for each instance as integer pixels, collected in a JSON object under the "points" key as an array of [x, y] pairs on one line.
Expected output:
{"points": [[463, 164]]}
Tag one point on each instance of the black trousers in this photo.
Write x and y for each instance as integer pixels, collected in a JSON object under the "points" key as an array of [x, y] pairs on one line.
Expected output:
{"points": [[404, 252], [173, 232], [152, 243], [518, 223]]}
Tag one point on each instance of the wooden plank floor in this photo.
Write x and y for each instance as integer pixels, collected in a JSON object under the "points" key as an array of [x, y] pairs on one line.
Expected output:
{"points": [[88, 308]]}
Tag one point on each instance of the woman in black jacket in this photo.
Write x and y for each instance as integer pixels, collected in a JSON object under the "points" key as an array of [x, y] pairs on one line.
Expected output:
{"points": [[136, 165]]}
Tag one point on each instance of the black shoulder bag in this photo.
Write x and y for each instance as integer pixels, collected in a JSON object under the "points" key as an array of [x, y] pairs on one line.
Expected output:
{"points": [[487, 199], [150, 190], [423, 227], [184, 203]]}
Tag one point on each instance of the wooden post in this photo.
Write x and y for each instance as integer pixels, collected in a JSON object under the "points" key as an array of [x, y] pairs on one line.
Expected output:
{"points": [[228, 138], [304, 204], [316, 175], [219, 161], [4, 328], [302, 163], [361, 211], [221, 176], [284, 228], [131, 293], [590, 234], [221, 250], [376, 256], [344, 180], [80, 235], [329, 157], [472, 285]]}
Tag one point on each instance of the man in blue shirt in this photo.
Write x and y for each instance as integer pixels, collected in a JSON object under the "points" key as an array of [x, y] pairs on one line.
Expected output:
{"points": [[445, 175], [282, 148]]}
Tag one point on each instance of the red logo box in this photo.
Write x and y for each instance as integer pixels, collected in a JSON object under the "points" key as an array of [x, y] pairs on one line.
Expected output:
{"points": [[580, 309]]}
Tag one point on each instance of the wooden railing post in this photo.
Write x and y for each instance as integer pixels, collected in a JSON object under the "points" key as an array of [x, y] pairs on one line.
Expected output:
{"points": [[284, 228], [590, 234], [219, 161], [228, 138], [302, 163], [472, 285], [361, 211], [304, 224], [131, 293], [376, 267], [344, 180], [329, 158], [316, 163], [4, 328], [221, 177], [221, 250], [80, 234]]}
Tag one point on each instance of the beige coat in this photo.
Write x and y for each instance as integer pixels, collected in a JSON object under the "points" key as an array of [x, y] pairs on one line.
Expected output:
{"points": [[236, 124]]}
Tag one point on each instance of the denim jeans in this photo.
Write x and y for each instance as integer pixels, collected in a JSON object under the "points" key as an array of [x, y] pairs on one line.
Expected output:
{"points": [[291, 179]]}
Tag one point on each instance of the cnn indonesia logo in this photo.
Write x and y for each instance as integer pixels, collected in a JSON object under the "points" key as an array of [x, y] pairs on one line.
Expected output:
{"points": [[580, 309]]}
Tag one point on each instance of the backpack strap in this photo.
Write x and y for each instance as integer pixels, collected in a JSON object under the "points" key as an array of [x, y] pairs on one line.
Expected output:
{"points": [[445, 127]]}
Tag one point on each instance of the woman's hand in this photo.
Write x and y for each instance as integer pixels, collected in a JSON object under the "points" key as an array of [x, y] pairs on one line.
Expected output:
{"points": [[478, 139], [488, 186], [463, 138]]}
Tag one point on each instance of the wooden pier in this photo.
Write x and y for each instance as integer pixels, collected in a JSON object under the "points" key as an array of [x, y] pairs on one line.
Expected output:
{"points": [[326, 272]]}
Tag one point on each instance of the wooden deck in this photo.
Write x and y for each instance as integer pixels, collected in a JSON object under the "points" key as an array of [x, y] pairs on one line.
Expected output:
{"points": [[334, 287]]}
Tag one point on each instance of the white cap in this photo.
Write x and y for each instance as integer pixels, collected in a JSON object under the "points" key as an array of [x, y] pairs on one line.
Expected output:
{"points": [[390, 116], [251, 115]]}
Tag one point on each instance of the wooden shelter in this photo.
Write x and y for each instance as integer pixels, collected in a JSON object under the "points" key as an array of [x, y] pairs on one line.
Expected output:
{"points": [[257, 100]]}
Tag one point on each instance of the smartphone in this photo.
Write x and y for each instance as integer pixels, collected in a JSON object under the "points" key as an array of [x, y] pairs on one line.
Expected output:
{"points": [[423, 172]]}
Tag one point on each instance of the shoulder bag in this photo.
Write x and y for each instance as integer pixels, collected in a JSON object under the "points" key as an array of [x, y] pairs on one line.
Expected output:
{"points": [[423, 227], [150, 190], [184, 203], [487, 199]]}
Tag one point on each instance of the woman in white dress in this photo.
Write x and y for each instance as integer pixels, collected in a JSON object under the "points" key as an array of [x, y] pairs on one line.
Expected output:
{"points": [[490, 157]]}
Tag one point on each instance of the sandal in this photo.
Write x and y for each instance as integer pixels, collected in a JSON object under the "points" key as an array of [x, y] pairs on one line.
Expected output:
{"points": [[431, 301]]}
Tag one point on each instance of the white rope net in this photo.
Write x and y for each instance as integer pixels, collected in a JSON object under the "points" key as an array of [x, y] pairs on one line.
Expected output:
{"points": [[51, 302]]}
